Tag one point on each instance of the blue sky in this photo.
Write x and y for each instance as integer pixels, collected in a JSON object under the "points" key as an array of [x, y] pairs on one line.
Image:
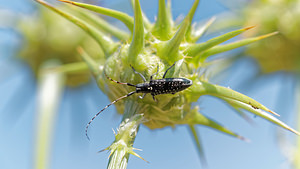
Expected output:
{"points": [[165, 148]]}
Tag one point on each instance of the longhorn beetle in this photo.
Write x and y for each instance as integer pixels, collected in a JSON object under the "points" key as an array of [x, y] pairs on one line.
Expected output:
{"points": [[154, 87]]}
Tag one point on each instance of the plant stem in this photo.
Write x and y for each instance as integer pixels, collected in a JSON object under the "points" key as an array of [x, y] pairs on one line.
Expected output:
{"points": [[124, 139], [51, 84], [297, 148]]}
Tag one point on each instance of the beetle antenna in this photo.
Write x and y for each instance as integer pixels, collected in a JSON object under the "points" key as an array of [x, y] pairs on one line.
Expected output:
{"points": [[168, 70], [87, 126]]}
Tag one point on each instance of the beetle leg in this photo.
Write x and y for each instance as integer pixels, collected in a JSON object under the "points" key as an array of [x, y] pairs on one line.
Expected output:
{"points": [[129, 84], [141, 97], [154, 73], [168, 69], [154, 98], [144, 79]]}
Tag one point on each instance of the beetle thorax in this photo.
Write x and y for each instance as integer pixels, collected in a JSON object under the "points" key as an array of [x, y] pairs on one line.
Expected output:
{"points": [[143, 88]]}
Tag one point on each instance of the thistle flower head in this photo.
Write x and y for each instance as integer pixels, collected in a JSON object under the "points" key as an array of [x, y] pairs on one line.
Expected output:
{"points": [[49, 36], [148, 46], [282, 53]]}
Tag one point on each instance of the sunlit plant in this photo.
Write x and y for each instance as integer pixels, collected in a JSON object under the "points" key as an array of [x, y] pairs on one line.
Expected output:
{"points": [[150, 45], [278, 56]]}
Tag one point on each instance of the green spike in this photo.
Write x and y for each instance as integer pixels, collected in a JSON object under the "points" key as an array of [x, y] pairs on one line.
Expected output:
{"points": [[105, 26], [191, 15], [196, 137], [123, 17], [195, 118], [106, 44], [260, 113], [223, 48], [179, 36], [169, 50], [137, 44], [169, 11], [147, 23], [135, 154], [162, 29], [204, 88], [242, 114], [193, 10], [195, 49], [90, 62], [197, 33]]}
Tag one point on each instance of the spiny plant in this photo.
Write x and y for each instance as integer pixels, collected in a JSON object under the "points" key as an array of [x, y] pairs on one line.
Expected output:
{"points": [[281, 56], [147, 46]]}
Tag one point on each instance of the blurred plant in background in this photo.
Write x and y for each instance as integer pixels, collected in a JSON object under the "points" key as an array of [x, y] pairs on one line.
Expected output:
{"points": [[47, 36], [51, 52], [49, 48], [281, 54]]}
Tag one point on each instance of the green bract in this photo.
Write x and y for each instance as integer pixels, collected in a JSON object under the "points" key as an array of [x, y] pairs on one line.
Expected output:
{"points": [[147, 46]]}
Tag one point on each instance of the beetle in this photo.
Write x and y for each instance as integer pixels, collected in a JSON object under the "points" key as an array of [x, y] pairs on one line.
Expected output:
{"points": [[153, 87]]}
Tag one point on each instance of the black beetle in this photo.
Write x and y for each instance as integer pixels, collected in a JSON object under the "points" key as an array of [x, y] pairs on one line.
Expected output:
{"points": [[154, 87]]}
